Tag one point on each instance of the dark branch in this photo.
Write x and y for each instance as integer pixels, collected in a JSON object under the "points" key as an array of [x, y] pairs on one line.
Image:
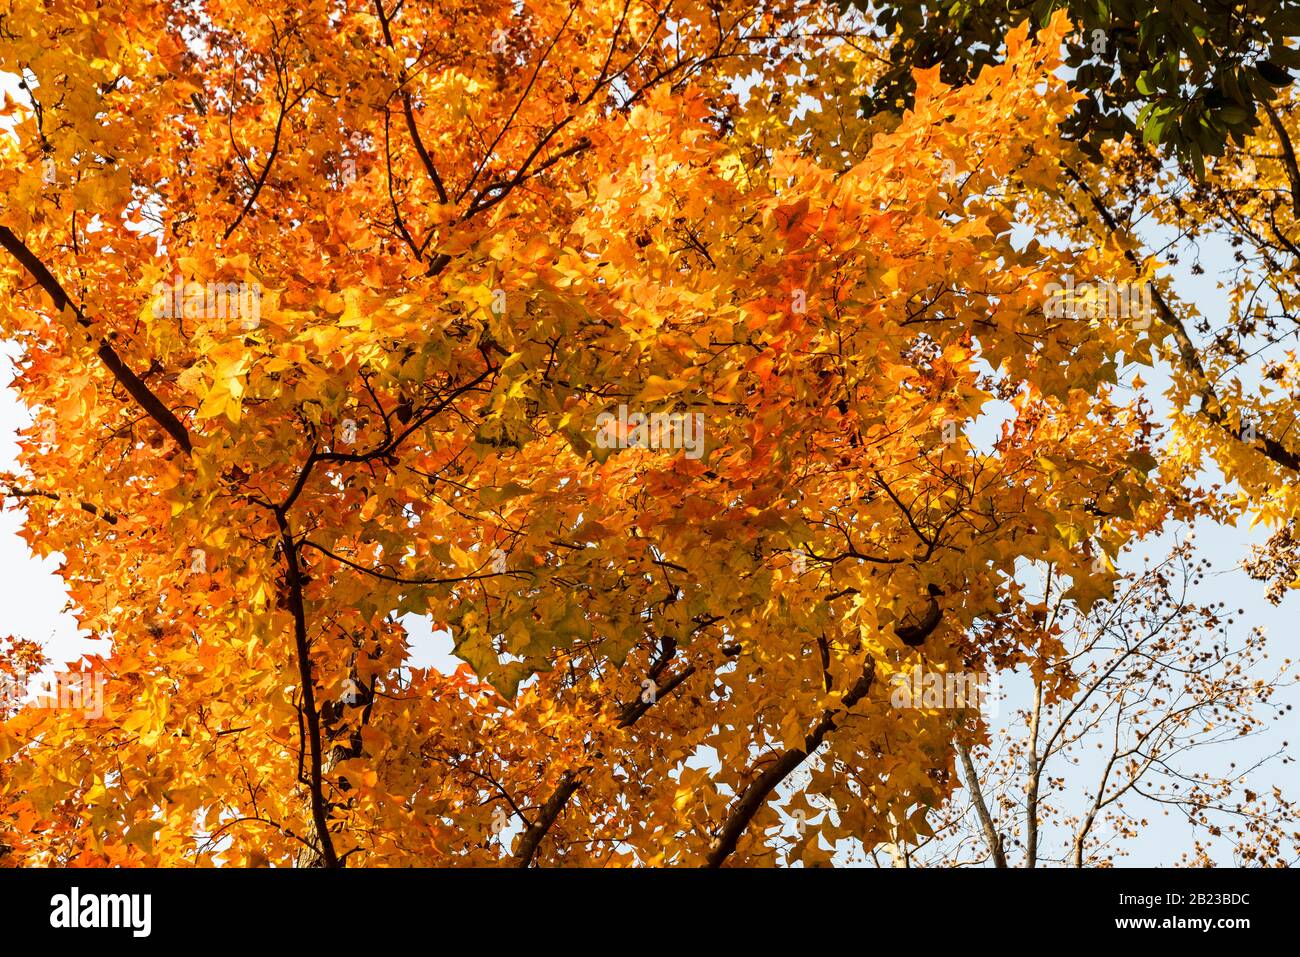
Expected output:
{"points": [[755, 796], [293, 580], [1211, 407], [112, 361], [546, 817], [14, 492]]}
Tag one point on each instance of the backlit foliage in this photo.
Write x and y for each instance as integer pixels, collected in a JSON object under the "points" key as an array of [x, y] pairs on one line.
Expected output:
{"points": [[472, 228]]}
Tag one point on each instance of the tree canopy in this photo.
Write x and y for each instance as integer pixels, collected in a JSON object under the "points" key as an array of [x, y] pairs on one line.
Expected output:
{"points": [[618, 343]]}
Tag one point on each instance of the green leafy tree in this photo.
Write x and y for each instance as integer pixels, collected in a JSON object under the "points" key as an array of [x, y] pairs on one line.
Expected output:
{"points": [[1187, 75]]}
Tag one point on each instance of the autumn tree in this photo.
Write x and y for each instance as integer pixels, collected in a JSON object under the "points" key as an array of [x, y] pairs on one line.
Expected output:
{"points": [[1186, 128], [1153, 705], [340, 313], [1188, 123]]}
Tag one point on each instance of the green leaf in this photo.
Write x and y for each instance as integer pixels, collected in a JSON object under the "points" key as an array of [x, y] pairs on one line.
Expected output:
{"points": [[1274, 74]]}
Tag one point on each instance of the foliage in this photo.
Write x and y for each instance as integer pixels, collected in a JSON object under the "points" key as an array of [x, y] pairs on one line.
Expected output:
{"points": [[429, 257], [1187, 75]]}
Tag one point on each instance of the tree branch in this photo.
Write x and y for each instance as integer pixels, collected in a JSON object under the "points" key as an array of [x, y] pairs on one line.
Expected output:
{"points": [[755, 796], [409, 113], [545, 818], [1211, 407], [991, 834], [1288, 156], [112, 361], [293, 578], [12, 491], [569, 782]]}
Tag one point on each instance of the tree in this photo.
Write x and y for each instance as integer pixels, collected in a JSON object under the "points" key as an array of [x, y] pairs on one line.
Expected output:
{"points": [[1142, 711], [1164, 86], [20, 661], [347, 313], [1186, 75], [1187, 128]]}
